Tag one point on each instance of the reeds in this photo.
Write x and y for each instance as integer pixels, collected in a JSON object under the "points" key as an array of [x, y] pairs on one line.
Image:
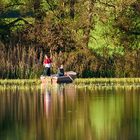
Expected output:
{"points": [[108, 81], [19, 82], [20, 62], [80, 82]]}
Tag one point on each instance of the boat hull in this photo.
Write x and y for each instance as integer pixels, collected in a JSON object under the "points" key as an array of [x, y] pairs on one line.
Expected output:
{"points": [[67, 78]]}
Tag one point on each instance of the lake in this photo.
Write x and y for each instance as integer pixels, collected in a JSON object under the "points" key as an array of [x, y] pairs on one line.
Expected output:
{"points": [[68, 112]]}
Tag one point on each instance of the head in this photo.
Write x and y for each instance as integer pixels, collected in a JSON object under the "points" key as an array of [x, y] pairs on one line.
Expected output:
{"points": [[46, 56], [61, 66]]}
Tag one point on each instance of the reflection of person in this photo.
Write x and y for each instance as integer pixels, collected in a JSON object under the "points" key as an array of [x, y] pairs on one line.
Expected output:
{"points": [[60, 71], [47, 102], [47, 64]]}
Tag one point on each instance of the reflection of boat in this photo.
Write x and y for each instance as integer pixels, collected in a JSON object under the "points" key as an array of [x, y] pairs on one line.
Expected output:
{"points": [[67, 78]]}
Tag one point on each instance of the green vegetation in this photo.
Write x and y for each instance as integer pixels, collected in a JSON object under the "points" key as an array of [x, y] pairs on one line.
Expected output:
{"points": [[20, 82], [108, 83], [79, 82], [93, 38]]}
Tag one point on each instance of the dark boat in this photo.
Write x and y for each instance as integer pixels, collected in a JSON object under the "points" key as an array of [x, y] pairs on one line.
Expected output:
{"points": [[67, 78]]}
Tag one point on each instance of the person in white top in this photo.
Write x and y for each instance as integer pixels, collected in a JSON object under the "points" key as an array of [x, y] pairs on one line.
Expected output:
{"points": [[47, 64]]}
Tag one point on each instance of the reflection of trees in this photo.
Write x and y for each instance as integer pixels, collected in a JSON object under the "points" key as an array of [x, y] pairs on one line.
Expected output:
{"points": [[130, 122], [24, 112], [106, 112], [72, 113], [18, 114], [68, 115], [115, 116]]}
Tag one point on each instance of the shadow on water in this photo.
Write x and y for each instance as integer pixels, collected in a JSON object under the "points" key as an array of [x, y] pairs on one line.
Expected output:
{"points": [[65, 112]]}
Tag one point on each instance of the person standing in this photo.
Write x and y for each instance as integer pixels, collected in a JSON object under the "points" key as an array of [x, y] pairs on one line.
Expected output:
{"points": [[47, 64]]}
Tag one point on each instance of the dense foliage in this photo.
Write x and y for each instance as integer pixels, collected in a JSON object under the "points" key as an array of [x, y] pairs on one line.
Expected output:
{"points": [[94, 38]]}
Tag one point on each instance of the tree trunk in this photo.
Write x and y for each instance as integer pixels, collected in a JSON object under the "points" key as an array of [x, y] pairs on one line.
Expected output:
{"points": [[86, 35], [38, 15], [62, 9], [72, 10]]}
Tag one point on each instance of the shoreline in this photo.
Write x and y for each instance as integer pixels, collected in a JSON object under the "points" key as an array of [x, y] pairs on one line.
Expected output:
{"points": [[77, 81]]}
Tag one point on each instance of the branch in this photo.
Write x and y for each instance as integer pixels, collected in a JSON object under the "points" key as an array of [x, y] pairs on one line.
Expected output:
{"points": [[106, 4], [134, 32], [51, 8], [72, 9], [15, 21], [11, 5], [49, 5], [16, 4], [131, 32]]}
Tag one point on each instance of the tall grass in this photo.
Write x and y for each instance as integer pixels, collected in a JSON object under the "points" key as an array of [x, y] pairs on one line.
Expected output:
{"points": [[25, 62], [20, 62], [79, 81], [19, 82], [107, 81]]}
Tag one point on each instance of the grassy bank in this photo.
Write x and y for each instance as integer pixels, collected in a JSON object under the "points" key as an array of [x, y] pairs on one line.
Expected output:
{"points": [[20, 82], [78, 81], [108, 81]]}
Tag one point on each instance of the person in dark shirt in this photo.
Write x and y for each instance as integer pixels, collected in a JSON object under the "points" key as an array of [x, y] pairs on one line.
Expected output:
{"points": [[60, 71]]}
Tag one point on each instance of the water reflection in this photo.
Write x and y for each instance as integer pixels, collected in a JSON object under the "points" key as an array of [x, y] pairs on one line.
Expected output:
{"points": [[64, 112]]}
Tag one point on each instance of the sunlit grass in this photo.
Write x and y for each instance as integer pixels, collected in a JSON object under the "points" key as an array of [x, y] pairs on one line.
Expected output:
{"points": [[21, 88], [114, 87], [79, 82], [20, 82], [107, 81]]}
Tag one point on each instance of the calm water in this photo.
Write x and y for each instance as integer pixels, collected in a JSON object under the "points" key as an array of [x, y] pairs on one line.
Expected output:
{"points": [[69, 113]]}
